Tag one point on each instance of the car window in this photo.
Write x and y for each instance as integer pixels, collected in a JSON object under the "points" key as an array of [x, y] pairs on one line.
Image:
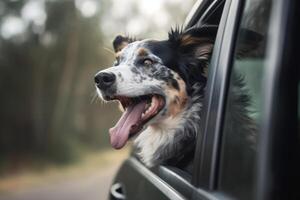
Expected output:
{"points": [[242, 117]]}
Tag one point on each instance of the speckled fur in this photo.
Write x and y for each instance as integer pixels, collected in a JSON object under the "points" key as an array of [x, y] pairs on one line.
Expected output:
{"points": [[169, 138], [178, 73]]}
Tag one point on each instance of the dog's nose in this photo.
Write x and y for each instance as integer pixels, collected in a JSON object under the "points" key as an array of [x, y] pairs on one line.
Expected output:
{"points": [[105, 80]]}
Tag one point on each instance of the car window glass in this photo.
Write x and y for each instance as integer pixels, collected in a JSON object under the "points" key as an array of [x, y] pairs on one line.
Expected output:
{"points": [[243, 106]]}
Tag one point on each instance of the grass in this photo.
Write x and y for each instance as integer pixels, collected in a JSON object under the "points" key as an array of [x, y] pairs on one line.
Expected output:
{"points": [[90, 163]]}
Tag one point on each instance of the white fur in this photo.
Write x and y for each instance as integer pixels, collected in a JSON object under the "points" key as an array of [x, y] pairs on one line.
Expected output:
{"points": [[155, 136], [162, 133], [127, 84]]}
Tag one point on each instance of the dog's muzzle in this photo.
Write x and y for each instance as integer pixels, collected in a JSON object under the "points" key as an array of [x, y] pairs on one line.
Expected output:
{"points": [[104, 80]]}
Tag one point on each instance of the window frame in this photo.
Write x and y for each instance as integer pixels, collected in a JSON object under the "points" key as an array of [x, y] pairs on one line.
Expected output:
{"points": [[208, 142], [200, 10]]}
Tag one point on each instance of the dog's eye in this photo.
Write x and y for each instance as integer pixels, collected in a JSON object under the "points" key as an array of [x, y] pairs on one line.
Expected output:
{"points": [[147, 62]]}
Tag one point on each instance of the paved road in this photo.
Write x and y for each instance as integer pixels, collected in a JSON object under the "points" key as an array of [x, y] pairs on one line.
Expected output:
{"points": [[93, 187]]}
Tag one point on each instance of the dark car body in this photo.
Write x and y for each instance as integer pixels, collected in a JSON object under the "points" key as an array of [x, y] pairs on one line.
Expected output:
{"points": [[221, 168]]}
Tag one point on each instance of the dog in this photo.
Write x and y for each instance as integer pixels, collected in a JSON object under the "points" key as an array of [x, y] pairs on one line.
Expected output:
{"points": [[160, 85]]}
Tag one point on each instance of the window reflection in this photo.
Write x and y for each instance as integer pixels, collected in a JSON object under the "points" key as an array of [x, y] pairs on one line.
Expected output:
{"points": [[243, 110]]}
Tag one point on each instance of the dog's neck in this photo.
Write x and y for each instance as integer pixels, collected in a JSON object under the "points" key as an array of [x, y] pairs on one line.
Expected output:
{"points": [[172, 137]]}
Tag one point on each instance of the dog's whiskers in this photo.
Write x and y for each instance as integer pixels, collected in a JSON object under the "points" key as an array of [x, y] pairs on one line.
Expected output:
{"points": [[94, 97], [109, 50]]}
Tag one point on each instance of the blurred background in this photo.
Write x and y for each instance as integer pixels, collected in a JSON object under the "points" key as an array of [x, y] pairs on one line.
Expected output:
{"points": [[54, 130]]}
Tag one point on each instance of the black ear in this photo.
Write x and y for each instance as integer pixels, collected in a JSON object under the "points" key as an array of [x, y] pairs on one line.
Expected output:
{"points": [[193, 36], [120, 42], [194, 48], [196, 41]]}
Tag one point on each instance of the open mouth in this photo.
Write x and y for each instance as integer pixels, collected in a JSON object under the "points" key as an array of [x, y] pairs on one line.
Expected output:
{"points": [[138, 111]]}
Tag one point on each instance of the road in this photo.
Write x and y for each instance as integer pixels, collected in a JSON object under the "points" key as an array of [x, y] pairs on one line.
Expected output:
{"points": [[92, 187]]}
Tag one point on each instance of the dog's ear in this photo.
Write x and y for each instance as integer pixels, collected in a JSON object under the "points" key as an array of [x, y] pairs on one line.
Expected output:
{"points": [[196, 42], [121, 41], [194, 48]]}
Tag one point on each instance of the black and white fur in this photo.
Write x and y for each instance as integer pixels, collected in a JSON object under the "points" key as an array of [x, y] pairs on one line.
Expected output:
{"points": [[178, 72]]}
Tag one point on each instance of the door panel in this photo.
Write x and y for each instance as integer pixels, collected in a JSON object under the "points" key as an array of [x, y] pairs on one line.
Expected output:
{"points": [[138, 182]]}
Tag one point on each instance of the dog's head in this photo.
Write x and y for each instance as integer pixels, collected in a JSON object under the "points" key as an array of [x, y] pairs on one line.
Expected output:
{"points": [[153, 80]]}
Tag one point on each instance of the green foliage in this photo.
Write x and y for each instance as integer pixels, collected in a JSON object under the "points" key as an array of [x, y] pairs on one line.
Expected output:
{"points": [[47, 85]]}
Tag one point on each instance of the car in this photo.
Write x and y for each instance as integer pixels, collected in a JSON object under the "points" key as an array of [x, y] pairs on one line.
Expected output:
{"points": [[224, 166]]}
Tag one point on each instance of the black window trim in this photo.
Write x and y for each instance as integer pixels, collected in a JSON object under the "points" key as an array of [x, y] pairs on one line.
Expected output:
{"points": [[199, 10], [209, 12], [207, 151]]}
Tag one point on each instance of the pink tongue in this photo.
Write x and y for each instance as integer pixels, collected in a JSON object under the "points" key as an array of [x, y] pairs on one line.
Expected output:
{"points": [[120, 133]]}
